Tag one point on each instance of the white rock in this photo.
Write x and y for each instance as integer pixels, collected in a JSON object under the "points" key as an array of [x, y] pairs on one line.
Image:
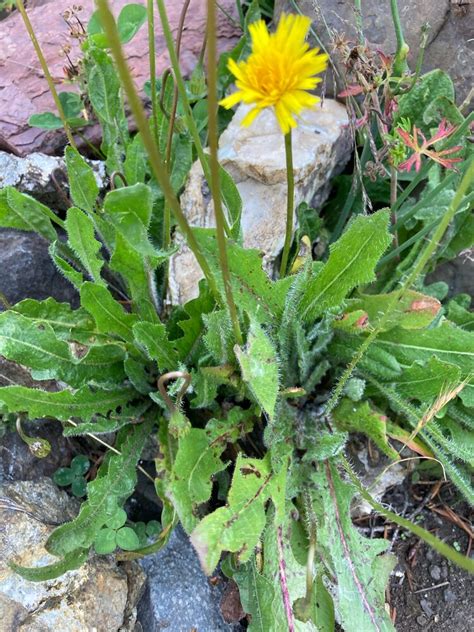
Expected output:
{"points": [[255, 158], [98, 596]]}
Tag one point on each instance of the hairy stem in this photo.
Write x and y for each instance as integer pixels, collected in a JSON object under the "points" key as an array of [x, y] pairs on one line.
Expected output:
{"points": [[152, 61], [47, 74], [358, 20], [290, 204], [214, 164], [156, 161], [178, 77]]}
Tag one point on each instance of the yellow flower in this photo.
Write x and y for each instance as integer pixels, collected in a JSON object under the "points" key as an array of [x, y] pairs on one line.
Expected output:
{"points": [[279, 71]]}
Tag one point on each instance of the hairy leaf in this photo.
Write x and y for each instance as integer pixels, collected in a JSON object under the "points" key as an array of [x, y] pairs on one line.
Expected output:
{"points": [[358, 565], [105, 494], [359, 417], [67, 323], [83, 403], [21, 211], [259, 364], [110, 317], [153, 339], [351, 262], [71, 561], [82, 183], [81, 238], [423, 380], [237, 526]]}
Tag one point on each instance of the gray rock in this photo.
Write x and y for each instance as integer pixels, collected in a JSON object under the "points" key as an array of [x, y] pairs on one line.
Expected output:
{"points": [[98, 596], [44, 177], [255, 158], [28, 271], [17, 463], [449, 39], [449, 596], [435, 572], [426, 607], [179, 597]]}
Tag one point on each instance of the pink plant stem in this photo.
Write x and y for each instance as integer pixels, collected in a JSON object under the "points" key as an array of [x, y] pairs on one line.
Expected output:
{"points": [[284, 586]]}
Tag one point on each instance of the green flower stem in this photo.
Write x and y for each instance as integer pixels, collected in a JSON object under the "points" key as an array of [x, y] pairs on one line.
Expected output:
{"points": [[400, 62], [358, 21], [156, 161], [188, 114], [290, 204], [47, 74], [152, 61], [214, 165], [423, 259]]}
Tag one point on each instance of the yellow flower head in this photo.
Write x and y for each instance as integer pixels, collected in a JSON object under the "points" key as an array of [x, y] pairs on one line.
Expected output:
{"points": [[279, 71]]}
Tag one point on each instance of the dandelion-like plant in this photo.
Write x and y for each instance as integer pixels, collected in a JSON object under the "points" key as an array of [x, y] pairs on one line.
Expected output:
{"points": [[279, 73]]}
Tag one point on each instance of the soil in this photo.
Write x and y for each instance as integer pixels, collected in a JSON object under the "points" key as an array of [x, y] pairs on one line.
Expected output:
{"points": [[427, 592]]}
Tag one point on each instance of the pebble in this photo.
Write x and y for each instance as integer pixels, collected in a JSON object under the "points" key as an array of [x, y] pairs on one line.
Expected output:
{"points": [[422, 620], [426, 607], [449, 596], [435, 572]]}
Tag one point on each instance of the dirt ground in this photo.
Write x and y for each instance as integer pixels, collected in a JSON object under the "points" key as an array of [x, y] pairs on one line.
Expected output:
{"points": [[426, 591]]}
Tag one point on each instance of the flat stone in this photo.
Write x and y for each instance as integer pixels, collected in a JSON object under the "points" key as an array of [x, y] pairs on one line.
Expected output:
{"points": [[435, 572], [28, 271], [255, 158], [23, 88], [449, 45], [179, 596], [93, 597]]}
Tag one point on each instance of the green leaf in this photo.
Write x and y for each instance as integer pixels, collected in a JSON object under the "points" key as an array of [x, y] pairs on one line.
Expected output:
{"points": [[253, 291], [21, 211], [127, 539], [359, 417], [257, 594], [45, 120], [81, 238], [423, 380], [80, 465], [358, 569], [446, 342], [83, 403], [110, 317], [71, 103], [137, 274], [351, 262], [429, 87], [64, 266], [37, 347], [79, 487], [66, 323], [118, 519], [114, 483], [192, 327], [105, 541], [259, 365], [82, 183], [237, 526], [231, 199], [63, 476], [73, 560], [103, 86], [129, 209], [135, 166], [219, 337], [153, 339], [197, 461], [413, 311], [130, 19]]}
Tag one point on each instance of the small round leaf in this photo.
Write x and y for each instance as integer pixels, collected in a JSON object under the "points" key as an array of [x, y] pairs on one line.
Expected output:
{"points": [[153, 528], [127, 539], [118, 519], [80, 465], [79, 487], [105, 541], [63, 476]]}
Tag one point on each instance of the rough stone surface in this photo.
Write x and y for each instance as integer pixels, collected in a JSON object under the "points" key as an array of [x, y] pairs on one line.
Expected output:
{"points": [[94, 597], [24, 91], [44, 177], [255, 158], [179, 597], [28, 271], [450, 44]]}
